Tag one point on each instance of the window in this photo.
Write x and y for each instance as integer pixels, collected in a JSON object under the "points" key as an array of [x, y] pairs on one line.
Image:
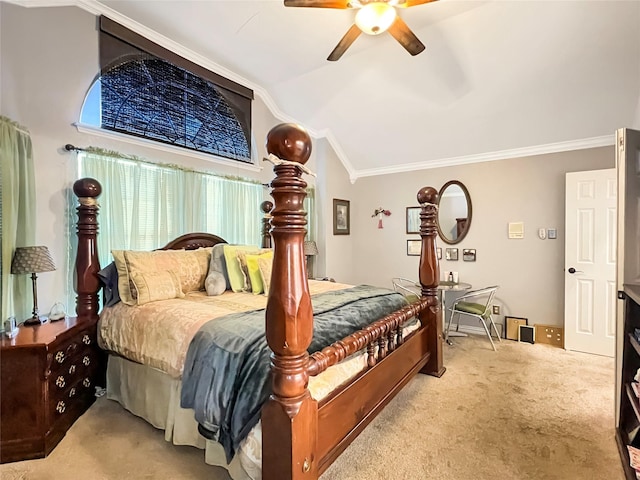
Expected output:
{"points": [[149, 92]]}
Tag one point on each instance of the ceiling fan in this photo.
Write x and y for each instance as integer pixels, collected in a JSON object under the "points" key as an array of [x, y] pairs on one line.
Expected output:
{"points": [[374, 17]]}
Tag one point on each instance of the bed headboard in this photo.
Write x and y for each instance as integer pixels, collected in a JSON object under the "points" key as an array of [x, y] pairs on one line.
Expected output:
{"points": [[192, 241]]}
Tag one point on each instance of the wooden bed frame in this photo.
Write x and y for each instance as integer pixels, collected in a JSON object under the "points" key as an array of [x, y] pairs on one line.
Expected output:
{"points": [[301, 437]]}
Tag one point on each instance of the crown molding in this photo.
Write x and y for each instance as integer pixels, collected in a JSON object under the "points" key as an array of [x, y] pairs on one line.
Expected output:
{"points": [[593, 142]]}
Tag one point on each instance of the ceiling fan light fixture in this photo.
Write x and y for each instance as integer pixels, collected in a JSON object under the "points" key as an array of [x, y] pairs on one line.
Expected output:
{"points": [[375, 18]]}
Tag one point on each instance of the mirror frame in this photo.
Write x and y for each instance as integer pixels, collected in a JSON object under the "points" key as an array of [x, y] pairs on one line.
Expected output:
{"points": [[469, 213]]}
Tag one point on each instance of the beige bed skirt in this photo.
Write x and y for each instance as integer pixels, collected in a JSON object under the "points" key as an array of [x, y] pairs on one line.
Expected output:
{"points": [[158, 402], [155, 396]]}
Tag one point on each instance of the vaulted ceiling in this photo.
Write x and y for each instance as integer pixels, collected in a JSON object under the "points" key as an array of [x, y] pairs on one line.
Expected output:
{"points": [[498, 78]]}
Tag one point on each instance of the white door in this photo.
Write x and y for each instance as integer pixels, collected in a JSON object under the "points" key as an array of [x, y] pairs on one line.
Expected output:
{"points": [[590, 262]]}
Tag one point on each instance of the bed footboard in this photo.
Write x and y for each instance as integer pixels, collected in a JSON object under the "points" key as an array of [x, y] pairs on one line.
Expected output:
{"points": [[301, 437]]}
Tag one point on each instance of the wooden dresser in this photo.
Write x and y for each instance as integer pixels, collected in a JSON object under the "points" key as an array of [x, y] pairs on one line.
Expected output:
{"points": [[48, 375]]}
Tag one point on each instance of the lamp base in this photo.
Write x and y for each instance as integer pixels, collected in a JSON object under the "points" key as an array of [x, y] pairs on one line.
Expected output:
{"points": [[35, 321]]}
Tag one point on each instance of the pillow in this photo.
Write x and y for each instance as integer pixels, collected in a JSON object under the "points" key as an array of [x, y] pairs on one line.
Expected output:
{"points": [[153, 286], [234, 271], [218, 265], [191, 266], [253, 270], [264, 265], [124, 288], [109, 278], [215, 284]]}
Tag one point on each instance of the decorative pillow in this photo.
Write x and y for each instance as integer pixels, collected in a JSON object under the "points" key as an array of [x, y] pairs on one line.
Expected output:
{"points": [[124, 288], [153, 286], [234, 271], [218, 264], [253, 270], [191, 266], [109, 278], [264, 265], [215, 284]]}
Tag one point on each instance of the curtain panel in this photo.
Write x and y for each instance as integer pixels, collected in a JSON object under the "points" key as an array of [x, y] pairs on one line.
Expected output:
{"points": [[144, 205], [17, 215]]}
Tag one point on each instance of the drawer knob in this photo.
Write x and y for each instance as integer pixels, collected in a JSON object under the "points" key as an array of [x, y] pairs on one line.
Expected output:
{"points": [[86, 360], [72, 369], [60, 382], [86, 382], [60, 407], [86, 339], [72, 348], [59, 357], [72, 392]]}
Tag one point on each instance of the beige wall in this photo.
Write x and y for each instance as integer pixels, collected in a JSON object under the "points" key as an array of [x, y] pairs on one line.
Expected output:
{"points": [[530, 271]]}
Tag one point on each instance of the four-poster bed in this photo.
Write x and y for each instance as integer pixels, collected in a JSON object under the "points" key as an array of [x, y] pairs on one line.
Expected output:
{"points": [[301, 434]]}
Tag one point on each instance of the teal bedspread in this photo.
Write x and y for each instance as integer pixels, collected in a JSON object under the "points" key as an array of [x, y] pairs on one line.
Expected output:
{"points": [[226, 377]]}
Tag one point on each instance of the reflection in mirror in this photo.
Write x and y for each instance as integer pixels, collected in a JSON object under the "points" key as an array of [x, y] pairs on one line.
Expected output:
{"points": [[454, 212]]}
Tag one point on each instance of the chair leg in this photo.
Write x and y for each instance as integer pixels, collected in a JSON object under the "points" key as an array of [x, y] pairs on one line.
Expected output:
{"points": [[448, 328], [484, 324], [494, 328]]}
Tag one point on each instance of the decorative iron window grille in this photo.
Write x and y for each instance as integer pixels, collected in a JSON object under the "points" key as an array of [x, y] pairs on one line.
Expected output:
{"points": [[148, 97], [147, 91]]}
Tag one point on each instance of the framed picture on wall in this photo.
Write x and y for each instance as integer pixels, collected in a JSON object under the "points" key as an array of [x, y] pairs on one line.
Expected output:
{"points": [[341, 217], [413, 219], [414, 247]]}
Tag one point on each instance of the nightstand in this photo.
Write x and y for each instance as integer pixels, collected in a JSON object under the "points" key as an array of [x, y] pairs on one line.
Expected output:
{"points": [[47, 377]]}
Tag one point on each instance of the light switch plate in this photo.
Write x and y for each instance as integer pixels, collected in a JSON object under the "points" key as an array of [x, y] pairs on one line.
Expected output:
{"points": [[552, 233]]}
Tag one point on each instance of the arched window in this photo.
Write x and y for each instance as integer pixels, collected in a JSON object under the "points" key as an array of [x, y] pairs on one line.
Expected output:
{"points": [[148, 92]]}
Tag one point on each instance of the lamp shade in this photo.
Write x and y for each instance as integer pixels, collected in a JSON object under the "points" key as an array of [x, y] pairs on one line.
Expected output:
{"points": [[32, 260], [310, 248]]}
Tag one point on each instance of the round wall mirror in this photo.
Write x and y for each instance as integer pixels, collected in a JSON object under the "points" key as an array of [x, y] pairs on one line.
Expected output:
{"points": [[454, 212]]}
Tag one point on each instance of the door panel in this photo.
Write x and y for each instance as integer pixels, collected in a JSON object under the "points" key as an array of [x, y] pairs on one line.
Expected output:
{"points": [[590, 253]]}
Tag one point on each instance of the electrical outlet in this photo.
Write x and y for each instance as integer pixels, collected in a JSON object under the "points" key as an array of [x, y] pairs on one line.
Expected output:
{"points": [[496, 309]]}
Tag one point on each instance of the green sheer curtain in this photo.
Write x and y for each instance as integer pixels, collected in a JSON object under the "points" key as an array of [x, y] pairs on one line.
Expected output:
{"points": [[144, 205], [17, 214]]}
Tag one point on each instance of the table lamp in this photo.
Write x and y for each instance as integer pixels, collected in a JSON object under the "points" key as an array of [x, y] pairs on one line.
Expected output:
{"points": [[32, 260], [310, 249]]}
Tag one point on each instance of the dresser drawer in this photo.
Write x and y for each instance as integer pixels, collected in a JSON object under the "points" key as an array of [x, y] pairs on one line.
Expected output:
{"points": [[63, 355]]}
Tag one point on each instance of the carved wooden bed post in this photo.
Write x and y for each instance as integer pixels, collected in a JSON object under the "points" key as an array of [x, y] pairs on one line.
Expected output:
{"points": [[87, 264], [429, 274], [290, 417], [266, 207]]}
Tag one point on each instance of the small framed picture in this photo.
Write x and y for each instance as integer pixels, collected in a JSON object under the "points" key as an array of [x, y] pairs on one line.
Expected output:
{"points": [[439, 253], [341, 217], [451, 254], [512, 326], [414, 247], [413, 219], [469, 254]]}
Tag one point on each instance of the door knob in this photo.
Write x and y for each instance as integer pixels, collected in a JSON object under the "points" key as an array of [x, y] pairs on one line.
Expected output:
{"points": [[573, 270]]}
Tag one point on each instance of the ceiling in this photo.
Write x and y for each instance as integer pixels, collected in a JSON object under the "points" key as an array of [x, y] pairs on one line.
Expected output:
{"points": [[498, 79]]}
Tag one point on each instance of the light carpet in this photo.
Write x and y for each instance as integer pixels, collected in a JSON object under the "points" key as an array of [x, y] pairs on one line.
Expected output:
{"points": [[523, 412]]}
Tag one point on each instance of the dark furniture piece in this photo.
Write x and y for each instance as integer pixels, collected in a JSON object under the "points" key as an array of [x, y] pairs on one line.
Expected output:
{"points": [[628, 286], [48, 374], [301, 437]]}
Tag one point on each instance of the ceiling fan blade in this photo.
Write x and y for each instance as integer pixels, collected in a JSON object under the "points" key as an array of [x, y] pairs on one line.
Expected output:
{"points": [[344, 43], [317, 3], [412, 3], [403, 34]]}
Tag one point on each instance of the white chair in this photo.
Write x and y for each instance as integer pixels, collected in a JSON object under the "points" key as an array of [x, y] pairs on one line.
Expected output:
{"points": [[476, 303], [410, 289]]}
